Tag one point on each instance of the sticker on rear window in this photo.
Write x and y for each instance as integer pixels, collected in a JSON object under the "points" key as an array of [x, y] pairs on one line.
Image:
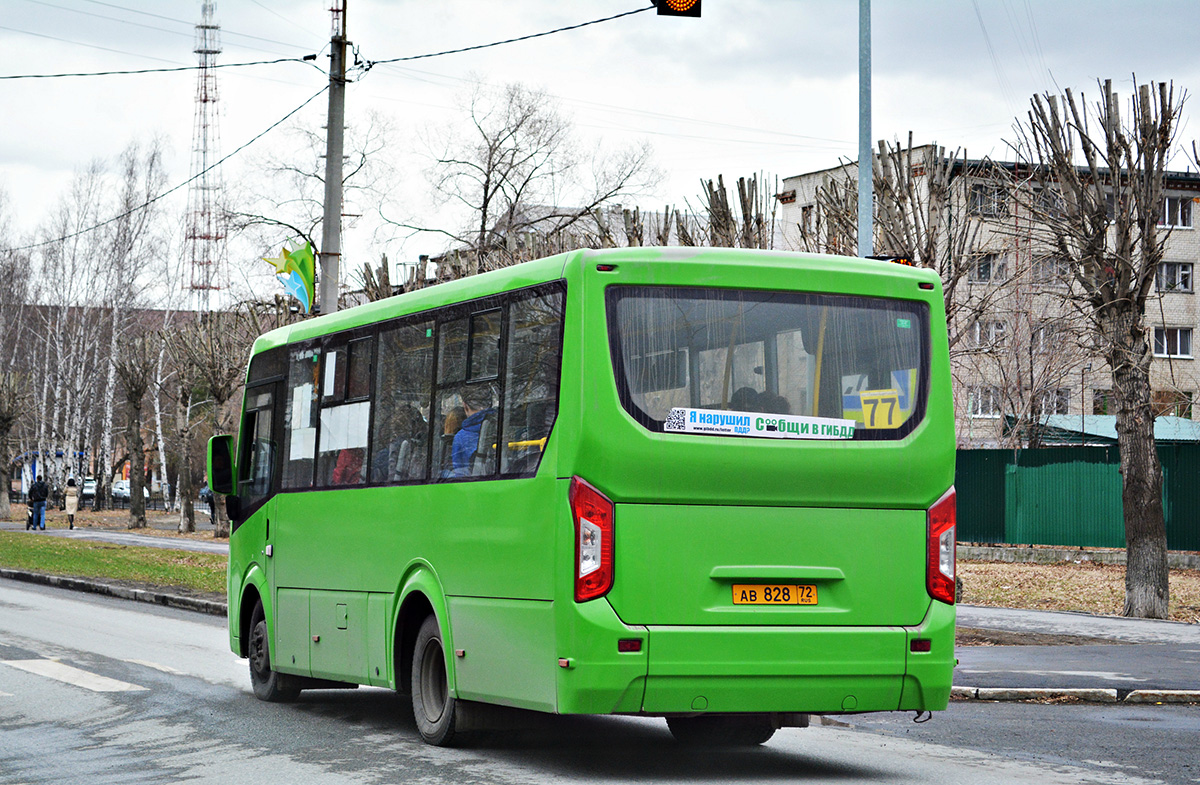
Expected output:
{"points": [[770, 426]]}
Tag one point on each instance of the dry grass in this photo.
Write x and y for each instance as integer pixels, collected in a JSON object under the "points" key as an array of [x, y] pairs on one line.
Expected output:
{"points": [[1092, 588]]}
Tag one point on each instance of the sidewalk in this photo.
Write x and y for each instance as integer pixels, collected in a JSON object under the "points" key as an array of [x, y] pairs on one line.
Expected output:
{"points": [[1146, 660]]}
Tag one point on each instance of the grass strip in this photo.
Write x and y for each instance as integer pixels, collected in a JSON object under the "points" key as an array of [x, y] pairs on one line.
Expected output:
{"points": [[201, 572]]}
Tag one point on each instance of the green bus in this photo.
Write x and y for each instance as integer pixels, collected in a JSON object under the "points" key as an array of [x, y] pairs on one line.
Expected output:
{"points": [[711, 485]]}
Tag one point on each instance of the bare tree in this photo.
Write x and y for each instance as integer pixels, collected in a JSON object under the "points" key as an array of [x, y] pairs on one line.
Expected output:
{"points": [[923, 215], [135, 376], [752, 225], [517, 170], [1106, 178], [14, 312], [12, 408], [286, 201]]}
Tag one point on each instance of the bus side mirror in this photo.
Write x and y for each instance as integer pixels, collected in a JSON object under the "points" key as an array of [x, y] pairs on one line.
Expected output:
{"points": [[220, 464]]}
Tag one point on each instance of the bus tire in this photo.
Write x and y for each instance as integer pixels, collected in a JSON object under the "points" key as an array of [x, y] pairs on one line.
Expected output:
{"points": [[441, 719], [726, 730], [268, 685]]}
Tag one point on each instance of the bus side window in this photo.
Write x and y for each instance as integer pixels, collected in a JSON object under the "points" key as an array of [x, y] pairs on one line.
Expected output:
{"points": [[345, 421], [402, 390], [300, 417], [531, 380]]}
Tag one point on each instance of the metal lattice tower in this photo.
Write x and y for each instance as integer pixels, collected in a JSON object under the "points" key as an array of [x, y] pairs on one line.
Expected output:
{"points": [[205, 235]]}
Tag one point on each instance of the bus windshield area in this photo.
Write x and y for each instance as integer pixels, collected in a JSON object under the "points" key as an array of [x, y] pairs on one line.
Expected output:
{"points": [[858, 361]]}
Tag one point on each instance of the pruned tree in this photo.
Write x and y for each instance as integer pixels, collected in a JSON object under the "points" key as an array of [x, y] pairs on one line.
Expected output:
{"points": [[922, 215], [751, 225], [515, 170], [1106, 177]]}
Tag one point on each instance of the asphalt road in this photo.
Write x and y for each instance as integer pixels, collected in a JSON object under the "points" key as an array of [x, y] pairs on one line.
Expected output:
{"points": [[97, 690]]}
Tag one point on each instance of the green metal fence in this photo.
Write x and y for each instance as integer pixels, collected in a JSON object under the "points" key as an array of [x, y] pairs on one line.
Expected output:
{"points": [[1068, 496]]}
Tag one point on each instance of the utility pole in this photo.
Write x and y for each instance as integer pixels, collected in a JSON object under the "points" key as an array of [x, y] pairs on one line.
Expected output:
{"points": [[866, 200], [331, 227]]}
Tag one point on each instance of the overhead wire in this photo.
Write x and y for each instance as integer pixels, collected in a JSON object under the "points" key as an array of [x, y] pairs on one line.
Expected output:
{"points": [[162, 70], [368, 64], [172, 190]]}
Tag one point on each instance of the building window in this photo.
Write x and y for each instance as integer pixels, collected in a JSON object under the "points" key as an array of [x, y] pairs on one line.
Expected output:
{"points": [[1176, 211], [808, 219], [987, 268], [1052, 270], [1172, 341], [987, 200], [988, 334], [1174, 277], [1049, 203], [983, 401], [1172, 403], [1103, 402], [1052, 402], [1047, 337]]}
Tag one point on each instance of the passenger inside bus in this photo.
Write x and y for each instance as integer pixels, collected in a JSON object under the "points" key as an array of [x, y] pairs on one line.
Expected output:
{"points": [[479, 413]]}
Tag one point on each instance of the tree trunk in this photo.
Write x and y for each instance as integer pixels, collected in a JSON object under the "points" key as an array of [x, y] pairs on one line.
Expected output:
{"points": [[1146, 587], [187, 514], [137, 469], [5, 484], [160, 440]]}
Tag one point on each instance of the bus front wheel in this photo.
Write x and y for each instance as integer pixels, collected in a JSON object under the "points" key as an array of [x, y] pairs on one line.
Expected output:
{"points": [[727, 730], [268, 684], [440, 717]]}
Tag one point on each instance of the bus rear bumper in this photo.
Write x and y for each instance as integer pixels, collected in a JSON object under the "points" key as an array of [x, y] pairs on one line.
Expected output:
{"points": [[800, 669]]}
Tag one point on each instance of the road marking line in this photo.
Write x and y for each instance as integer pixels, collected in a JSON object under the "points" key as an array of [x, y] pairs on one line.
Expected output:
{"points": [[52, 669], [155, 666], [5, 694]]}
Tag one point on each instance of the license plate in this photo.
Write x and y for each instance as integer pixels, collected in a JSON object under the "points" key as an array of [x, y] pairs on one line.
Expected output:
{"points": [[774, 594]]}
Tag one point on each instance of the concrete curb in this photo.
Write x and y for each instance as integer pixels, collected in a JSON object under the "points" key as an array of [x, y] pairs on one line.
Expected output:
{"points": [[121, 592], [1089, 695]]}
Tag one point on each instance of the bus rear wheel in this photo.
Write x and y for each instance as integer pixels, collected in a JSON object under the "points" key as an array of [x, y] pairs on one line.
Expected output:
{"points": [[268, 684], [441, 719], [726, 730]]}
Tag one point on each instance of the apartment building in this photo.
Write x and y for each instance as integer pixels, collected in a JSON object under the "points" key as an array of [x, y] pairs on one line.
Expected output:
{"points": [[1021, 347]]}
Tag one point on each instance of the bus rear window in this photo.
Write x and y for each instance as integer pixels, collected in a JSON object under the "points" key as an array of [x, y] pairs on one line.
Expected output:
{"points": [[778, 364]]}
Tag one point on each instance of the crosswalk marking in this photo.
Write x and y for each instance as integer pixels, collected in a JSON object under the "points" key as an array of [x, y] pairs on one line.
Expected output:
{"points": [[53, 669]]}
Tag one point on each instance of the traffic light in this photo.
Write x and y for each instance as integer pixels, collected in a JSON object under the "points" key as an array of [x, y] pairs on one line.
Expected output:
{"points": [[678, 7]]}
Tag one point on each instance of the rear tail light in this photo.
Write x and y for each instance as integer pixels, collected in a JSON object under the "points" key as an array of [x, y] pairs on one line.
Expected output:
{"points": [[940, 548], [592, 514]]}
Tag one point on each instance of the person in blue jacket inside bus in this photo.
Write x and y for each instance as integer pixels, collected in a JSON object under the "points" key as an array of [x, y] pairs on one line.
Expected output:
{"points": [[477, 405]]}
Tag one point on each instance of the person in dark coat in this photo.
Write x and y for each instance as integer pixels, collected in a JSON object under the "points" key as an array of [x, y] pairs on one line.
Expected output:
{"points": [[37, 501]]}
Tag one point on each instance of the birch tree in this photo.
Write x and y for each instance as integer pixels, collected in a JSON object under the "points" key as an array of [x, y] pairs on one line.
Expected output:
{"points": [[1106, 172]]}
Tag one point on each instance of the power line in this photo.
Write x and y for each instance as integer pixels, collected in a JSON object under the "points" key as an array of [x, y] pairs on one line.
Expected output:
{"points": [[167, 193], [368, 64], [163, 70]]}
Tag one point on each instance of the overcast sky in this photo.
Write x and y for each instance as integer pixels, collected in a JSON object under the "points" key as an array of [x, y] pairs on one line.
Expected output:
{"points": [[753, 86]]}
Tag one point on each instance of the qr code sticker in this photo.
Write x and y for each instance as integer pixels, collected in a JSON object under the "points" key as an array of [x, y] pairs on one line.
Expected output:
{"points": [[676, 420]]}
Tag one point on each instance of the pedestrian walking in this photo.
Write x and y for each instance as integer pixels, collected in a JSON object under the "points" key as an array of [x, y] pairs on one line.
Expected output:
{"points": [[71, 502], [37, 500]]}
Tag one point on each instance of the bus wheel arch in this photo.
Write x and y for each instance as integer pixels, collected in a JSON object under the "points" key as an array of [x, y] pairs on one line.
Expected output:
{"points": [[414, 609], [250, 599]]}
